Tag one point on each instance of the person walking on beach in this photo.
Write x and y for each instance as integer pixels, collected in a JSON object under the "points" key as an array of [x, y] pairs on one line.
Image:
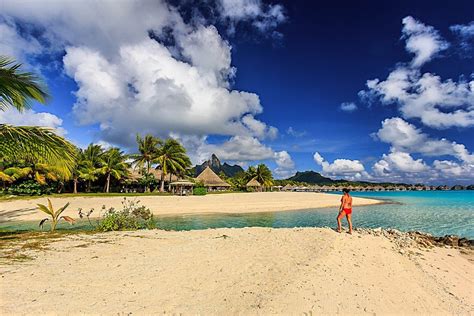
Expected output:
{"points": [[345, 210]]}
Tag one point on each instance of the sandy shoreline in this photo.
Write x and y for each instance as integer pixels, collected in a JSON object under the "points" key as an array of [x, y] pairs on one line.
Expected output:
{"points": [[19, 210], [251, 271]]}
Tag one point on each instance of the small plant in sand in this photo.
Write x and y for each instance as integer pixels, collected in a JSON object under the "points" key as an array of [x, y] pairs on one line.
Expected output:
{"points": [[55, 216], [131, 216], [87, 215]]}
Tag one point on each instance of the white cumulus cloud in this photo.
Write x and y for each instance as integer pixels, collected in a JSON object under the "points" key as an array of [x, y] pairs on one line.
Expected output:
{"points": [[263, 16], [32, 118], [399, 162], [421, 40], [405, 137], [285, 164], [438, 103], [348, 106], [465, 32], [129, 82], [346, 168]]}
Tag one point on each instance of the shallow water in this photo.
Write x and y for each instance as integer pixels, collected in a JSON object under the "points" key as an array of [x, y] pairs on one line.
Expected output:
{"points": [[437, 212]]}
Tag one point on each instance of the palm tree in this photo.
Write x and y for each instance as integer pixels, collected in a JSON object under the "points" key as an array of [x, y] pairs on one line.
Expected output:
{"points": [[239, 181], [80, 165], [18, 89], [89, 164], [262, 174], [114, 165], [94, 154], [172, 158], [148, 152], [88, 172]]}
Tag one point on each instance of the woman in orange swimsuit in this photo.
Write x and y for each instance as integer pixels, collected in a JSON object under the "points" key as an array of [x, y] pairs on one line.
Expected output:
{"points": [[345, 210]]}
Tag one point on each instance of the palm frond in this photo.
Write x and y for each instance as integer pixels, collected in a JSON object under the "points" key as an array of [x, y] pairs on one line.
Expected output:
{"points": [[19, 88], [37, 144]]}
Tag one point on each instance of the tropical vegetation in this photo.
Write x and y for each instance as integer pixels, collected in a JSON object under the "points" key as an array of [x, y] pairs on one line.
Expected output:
{"points": [[54, 215], [172, 159], [18, 90]]}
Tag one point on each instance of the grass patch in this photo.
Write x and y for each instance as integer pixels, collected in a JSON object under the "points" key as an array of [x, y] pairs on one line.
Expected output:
{"points": [[5, 197], [18, 246], [72, 195]]}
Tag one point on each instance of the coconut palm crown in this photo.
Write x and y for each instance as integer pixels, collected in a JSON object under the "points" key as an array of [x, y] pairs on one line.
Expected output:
{"points": [[18, 90], [172, 158]]}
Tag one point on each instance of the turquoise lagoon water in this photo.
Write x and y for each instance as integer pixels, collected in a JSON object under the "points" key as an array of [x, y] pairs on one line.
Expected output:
{"points": [[436, 212]]}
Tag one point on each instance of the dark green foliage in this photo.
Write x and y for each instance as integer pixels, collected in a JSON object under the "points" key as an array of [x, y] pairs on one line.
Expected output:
{"points": [[239, 181], [29, 187], [130, 217], [147, 180], [199, 191], [261, 173]]}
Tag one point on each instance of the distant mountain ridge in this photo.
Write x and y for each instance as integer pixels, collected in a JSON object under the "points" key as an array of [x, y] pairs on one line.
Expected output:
{"points": [[311, 177], [215, 164]]}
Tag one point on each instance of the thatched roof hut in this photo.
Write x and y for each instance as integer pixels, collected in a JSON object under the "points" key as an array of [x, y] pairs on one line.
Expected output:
{"points": [[253, 184], [211, 180]]}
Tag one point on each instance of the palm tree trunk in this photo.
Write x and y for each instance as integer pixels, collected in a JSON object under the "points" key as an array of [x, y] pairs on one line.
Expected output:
{"points": [[147, 187], [89, 186], [107, 184], [162, 186], [169, 184], [75, 185], [61, 187]]}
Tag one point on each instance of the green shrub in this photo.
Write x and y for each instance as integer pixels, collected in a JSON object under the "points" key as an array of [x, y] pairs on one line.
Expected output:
{"points": [[29, 187], [200, 191], [130, 217]]}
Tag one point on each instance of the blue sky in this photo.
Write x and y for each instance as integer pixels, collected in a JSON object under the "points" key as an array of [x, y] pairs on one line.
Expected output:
{"points": [[283, 82]]}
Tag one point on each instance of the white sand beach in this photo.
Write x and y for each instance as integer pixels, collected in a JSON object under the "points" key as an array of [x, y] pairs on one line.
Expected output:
{"points": [[17, 210], [250, 271]]}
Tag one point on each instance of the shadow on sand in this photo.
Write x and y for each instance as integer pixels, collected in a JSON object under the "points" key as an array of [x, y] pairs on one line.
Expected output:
{"points": [[8, 216]]}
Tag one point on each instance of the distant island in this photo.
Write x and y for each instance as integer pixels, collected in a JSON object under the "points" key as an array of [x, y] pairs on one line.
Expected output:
{"points": [[313, 181]]}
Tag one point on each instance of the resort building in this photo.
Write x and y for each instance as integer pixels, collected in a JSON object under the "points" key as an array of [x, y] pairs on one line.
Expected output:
{"points": [[182, 187], [212, 181], [254, 185], [134, 176]]}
